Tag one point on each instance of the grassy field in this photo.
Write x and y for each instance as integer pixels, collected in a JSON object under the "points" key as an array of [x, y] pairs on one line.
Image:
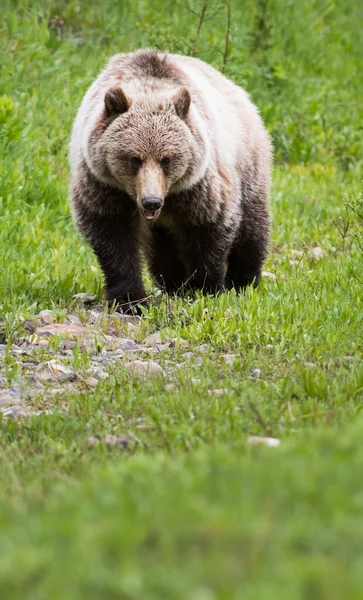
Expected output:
{"points": [[182, 507]]}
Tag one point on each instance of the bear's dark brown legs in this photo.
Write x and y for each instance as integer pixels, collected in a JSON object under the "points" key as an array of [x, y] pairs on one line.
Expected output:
{"points": [[115, 239], [247, 254], [165, 265], [116, 248], [205, 251]]}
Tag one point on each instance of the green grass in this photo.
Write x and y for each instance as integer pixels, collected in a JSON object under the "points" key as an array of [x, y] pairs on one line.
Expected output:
{"points": [[190, 511]]}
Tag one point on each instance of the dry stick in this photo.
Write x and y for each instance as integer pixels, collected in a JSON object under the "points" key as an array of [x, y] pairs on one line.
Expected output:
{"points": [[201, 21], [228, 31]]}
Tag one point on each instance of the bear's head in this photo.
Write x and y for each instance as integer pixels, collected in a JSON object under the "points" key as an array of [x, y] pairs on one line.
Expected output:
{"points": [[148, 146]]}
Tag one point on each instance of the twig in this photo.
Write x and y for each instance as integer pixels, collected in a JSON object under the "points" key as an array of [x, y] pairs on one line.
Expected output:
{"points": [[201, 21], [228, 40]]}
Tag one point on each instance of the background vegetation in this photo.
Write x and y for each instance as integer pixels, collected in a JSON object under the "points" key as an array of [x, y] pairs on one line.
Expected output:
{"points": [[192, 511]]}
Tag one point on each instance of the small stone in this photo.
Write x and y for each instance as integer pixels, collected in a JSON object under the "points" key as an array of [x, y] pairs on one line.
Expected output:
{"points": [[125, 344], [6, 398], [92, 382], [316, 252], [47, 317], [298, 253], [29, 326], [294, 263], [161, 347], [310, 365], [203, 348], [256, 372], [268, 275], [180, 343], [111, 440], [54, 367], [228, 359], [188, 355], [144, 368], [74, 320], [13, 412], [153, 339], [132, 319], [63, 329], [218, 392], [65, 377], [170, 387], [257, 440]]}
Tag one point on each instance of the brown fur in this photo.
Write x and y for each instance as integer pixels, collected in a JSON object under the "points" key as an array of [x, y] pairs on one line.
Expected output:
{"points": [[145, 130]]}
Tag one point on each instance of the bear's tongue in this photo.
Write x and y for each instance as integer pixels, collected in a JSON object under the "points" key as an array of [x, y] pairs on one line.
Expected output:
{"points": [[149, 215]]}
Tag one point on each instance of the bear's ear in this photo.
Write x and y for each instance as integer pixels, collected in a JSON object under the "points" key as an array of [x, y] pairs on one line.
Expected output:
{"points": [[182, 102], [116, 102]]}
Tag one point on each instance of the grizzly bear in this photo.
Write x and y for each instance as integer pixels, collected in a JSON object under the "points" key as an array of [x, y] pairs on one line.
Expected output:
{"points": [[170, 160]]}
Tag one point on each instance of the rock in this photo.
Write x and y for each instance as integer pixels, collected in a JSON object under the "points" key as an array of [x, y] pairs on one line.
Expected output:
{"points": [[97, 373], [256, 372], [7, 398], [256, 440], [74, 320], [13, 412], [47, 317], [144, 368], [92, 382], [310, 365], [218, 392], [54, 367], [268, 275], [63, 329], [161, 347], [125, 344], [132, 319], [111, 440], [153, 339], [228, 359], [188, 355], [180, 343], [316, 252], [170, 387], [203, 348], [29, 326]]}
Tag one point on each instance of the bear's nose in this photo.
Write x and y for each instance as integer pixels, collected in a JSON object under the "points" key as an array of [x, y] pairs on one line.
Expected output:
{"points": [[151, 203]]}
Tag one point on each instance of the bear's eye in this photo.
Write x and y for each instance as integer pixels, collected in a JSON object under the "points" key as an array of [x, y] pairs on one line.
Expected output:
{"points": [[165, 162], [136, 162]]}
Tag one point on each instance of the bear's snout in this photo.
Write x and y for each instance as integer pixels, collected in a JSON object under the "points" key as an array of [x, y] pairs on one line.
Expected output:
{"points": [[151, 206]]}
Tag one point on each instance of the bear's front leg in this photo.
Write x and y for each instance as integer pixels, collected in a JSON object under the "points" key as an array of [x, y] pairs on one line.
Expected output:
{"points": [[205, 249], [115, 239]]}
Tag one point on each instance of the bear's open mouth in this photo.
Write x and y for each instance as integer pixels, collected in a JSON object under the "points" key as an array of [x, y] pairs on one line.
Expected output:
{"points": [[151, 215]]}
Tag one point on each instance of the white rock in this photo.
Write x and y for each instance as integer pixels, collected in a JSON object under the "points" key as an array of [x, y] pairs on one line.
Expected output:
{"points": [[218, 392], [257, 440], [268, 275], [228, 359], [256, 372], [47, 317], [179, 343], [153, 339], [144, 368], [316, 252]]}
